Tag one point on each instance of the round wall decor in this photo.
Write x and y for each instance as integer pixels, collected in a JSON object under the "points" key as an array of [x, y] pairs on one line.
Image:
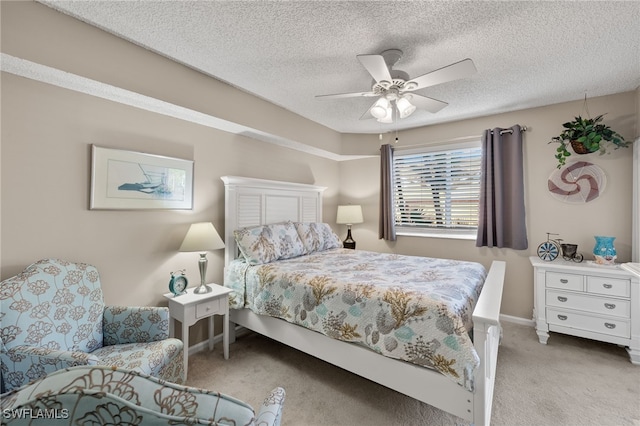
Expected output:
{"points": [[577, 182]]}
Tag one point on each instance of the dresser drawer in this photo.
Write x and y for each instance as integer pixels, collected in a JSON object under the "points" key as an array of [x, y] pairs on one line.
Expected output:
{"points": [[564, 281], [584, 302], [609, 286], [206, 309], [596, 324]]}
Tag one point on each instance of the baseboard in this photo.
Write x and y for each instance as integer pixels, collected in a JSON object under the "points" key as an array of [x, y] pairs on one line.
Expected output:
{"points": [[204, 345], [517, 320]]}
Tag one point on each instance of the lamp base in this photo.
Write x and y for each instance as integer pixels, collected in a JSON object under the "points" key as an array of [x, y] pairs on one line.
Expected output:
{"points": [[202, 289], [202, 266], [349, 242]]}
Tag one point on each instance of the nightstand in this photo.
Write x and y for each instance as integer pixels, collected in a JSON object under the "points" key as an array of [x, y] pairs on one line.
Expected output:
{"points": [[189, 308]]}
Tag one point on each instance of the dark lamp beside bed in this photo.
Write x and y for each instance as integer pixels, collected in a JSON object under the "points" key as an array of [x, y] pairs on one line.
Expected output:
{"points": [[349, 215], [202, 237]]}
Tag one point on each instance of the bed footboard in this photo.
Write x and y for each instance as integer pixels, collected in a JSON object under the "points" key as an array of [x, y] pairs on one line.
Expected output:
{"points": [[486, 339]]}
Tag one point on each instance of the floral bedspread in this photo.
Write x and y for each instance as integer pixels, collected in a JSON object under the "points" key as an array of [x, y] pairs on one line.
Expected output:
{"points": [[406, 307]]}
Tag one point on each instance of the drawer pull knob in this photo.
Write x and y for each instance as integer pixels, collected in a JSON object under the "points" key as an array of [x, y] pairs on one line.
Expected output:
{"points": [[564, 280], [609, 325], [562, 317], [610, 305], [562, 298], [607, 285]]}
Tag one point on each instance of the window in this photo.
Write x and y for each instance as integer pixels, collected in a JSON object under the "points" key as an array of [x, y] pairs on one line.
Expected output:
{"points": [[437, 190]]}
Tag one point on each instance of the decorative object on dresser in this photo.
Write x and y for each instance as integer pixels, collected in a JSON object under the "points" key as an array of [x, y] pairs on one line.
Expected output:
{"points": [[588, 300], [604, 251], [349, 215], [191, 307], [570, 252], [550, 249], [202, 237]]}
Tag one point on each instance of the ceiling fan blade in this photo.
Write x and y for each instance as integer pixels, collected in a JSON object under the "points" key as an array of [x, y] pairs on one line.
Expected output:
{"points": [[428, 104], [376, 66], [367, 114], [346, 95], [456, 71]]}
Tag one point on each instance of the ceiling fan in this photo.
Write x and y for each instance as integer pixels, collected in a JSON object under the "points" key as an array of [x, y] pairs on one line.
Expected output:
{"points": [[394, 87]]}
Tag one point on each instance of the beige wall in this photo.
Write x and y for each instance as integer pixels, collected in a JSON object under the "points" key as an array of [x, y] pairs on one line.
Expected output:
{"points": [[610, 214], [46, 137], [45, 164], [638, 112]]}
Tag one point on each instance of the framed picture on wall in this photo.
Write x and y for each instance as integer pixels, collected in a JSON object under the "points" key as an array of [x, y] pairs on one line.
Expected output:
{"points": [[128, 180]]}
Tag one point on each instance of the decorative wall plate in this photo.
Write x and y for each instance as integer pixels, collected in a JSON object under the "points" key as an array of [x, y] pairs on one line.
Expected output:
{"points": [[577, 182]]}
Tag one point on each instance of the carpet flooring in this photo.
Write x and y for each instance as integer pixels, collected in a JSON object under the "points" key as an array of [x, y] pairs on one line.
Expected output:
{"points": [[569, 381]]}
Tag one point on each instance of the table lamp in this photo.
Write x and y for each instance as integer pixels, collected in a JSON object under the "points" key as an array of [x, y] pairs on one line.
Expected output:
{"points": [[349, 215], [202, 237]]}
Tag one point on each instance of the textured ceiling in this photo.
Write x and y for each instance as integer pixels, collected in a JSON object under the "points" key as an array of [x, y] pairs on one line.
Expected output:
{"points": [[527, 54]]}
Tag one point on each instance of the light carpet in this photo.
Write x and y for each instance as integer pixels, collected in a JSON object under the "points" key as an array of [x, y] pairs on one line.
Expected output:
{"points": [[569, 381]]}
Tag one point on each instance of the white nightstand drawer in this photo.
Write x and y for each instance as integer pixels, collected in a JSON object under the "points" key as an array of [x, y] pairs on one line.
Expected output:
{"points": [[583, 302], [565, 281], [595, 324], [208, 308], [609, 286]]}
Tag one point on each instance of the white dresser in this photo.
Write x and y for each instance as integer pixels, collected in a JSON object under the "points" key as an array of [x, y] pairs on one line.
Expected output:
{"points": [[587, 300]]}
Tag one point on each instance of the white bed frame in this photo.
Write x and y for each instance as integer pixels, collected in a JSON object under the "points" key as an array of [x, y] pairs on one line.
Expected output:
{"points": [[252, 202]]}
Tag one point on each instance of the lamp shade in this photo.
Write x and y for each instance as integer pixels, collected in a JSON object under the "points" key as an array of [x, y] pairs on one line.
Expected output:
{"points": [[349, 215], [202, 237]]}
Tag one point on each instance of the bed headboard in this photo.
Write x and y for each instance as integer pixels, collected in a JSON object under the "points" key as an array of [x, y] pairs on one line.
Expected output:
{"points": [[253, 202]]}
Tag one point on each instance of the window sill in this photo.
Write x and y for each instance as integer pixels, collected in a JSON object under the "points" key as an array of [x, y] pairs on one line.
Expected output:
{"points": [[431, 234]]}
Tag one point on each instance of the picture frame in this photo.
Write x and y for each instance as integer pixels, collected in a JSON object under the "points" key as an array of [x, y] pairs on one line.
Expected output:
{"points": [[129, 180]]}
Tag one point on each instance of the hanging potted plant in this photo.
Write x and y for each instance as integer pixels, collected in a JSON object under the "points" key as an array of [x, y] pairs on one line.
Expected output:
{"points": [[586, 135]]}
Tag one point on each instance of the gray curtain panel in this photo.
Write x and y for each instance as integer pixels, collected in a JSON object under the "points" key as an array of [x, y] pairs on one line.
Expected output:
{"points": [[501, 221], [387, 228]]}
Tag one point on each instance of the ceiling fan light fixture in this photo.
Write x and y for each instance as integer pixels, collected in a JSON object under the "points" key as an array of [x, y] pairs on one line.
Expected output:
{"points": [[381, 108], [405, 108], [388, 118]]}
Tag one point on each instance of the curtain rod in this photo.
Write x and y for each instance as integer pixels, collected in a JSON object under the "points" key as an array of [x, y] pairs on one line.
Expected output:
{"points": [[522, 129], [460, 139]]}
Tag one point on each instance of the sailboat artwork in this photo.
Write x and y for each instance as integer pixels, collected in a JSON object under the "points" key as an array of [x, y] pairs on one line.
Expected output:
{"points": [[133, 180], [137, 180], [155, 183]]}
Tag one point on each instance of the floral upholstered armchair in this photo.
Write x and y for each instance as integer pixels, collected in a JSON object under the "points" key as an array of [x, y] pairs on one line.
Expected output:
{"points": [[101, 395], [53, 316]]}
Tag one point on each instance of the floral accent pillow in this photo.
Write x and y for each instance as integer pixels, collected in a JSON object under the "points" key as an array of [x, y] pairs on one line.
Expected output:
{"points": [[317, 236], [289, 242], [258, 244]]}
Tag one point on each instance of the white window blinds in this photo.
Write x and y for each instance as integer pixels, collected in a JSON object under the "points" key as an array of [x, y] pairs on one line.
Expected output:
{"points": [[437, 189]]}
